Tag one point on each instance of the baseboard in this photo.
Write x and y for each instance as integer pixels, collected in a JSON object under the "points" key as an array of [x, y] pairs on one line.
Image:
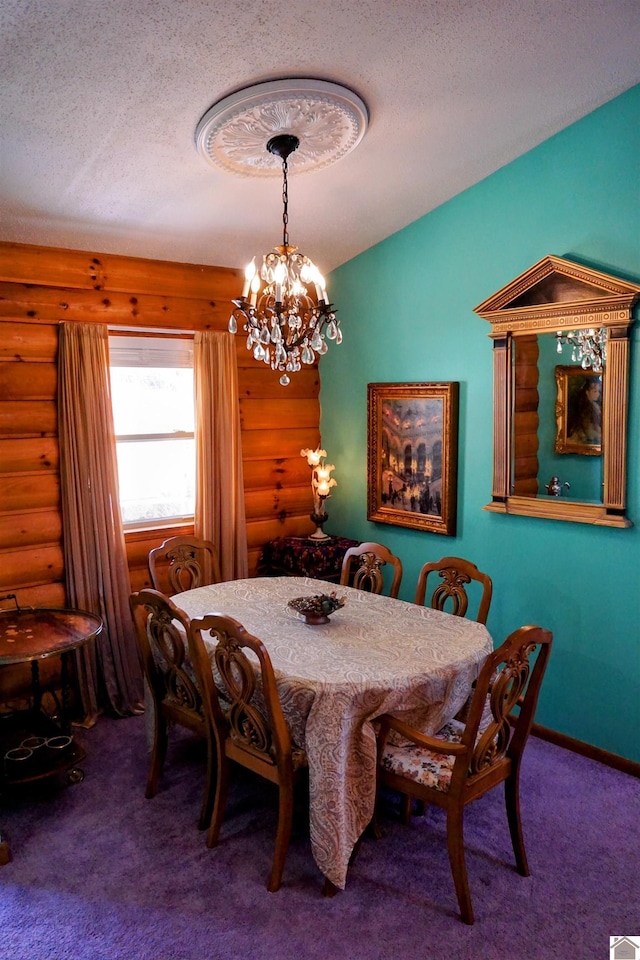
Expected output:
{"points": [[586, 750]]}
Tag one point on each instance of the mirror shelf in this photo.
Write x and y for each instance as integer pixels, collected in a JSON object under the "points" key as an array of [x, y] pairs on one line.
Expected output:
{"points": [[558, 295]]}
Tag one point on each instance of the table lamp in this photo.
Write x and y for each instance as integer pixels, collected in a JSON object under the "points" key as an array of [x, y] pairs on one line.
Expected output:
{"points": [[321, 484]]}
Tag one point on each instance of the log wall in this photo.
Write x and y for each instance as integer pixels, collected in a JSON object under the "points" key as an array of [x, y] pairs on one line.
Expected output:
{"points": [[525, 417], [41, 286]]}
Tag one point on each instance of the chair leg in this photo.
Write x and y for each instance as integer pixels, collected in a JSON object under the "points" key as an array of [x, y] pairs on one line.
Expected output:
{"points": [[374, 829], [356, 848], [220, 801], [455, 845], [158, 753], [512, 800], [283, 836], [210, 787], [406, 807]]}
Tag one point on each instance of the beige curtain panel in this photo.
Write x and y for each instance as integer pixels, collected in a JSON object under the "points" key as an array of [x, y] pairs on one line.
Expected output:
{"points": [[96, 568], [219, 513]]}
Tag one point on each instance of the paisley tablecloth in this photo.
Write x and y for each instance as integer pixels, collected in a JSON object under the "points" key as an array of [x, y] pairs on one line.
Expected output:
{"points": [[376, 655]]}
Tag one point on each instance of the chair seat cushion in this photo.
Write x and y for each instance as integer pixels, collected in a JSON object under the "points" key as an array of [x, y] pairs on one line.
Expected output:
{"points": [[417, 763]]}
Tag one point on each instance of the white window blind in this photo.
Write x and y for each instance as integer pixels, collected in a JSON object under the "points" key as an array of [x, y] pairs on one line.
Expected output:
{"points": [[153, 412]]}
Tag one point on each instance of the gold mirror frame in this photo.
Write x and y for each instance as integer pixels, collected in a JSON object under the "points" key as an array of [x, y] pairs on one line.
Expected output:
{"points": [[556, 294]]}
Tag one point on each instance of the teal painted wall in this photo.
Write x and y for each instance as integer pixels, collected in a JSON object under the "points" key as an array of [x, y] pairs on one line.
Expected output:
{"points": [[406, 307]]}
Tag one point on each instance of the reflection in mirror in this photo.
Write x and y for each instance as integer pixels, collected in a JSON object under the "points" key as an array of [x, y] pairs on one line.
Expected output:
{"points": [[560, 413], [556, 424]]}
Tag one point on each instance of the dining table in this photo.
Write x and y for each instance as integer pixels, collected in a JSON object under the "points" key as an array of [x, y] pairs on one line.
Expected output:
{"points": [[375, 655]]}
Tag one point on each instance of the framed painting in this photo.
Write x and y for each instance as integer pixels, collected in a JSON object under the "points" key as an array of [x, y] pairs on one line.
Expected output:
{"points": [[413, 455], [578, 411]]}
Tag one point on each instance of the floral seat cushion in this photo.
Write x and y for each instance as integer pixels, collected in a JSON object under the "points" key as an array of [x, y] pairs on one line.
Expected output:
{"points": [[417, 763]]}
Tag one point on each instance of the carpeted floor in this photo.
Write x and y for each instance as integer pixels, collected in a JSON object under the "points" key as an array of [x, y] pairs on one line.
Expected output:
{"points": [[100, 873]]}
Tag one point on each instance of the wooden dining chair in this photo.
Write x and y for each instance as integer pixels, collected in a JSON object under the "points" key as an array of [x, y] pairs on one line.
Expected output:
{"points": [[451, 595], [464, 761], [162, 634], [246, 715], [367, 573], [183, 563]]}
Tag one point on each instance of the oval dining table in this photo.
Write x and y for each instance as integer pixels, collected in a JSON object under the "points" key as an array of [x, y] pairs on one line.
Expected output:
{"points": [[375, 655]]}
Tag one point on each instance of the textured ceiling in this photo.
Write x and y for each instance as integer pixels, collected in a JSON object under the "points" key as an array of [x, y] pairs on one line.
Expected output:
{"points": [[100, 99]]}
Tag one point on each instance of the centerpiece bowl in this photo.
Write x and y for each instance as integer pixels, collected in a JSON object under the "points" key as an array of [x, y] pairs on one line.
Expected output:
{"points": [[317, 609]]}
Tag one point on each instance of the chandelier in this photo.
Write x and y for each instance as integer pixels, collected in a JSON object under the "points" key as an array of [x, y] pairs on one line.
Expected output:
{"points": [[285, 325], [284, 308], [588, 347]]}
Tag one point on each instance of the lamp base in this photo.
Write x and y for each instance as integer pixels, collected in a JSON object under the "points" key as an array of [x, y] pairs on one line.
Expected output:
{"points": [[319, 519], [319, 535]]}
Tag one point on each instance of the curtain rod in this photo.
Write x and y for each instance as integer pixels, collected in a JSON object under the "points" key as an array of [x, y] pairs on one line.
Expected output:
{"points": [[167, 332]]}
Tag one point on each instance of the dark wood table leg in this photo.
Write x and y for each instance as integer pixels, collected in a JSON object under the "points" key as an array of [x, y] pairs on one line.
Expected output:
{"points": [[65, 683], [329, 889], [5, 852], [35, 686]]}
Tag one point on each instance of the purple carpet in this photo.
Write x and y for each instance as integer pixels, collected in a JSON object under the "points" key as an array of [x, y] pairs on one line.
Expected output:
{"points": [[100, 873]]}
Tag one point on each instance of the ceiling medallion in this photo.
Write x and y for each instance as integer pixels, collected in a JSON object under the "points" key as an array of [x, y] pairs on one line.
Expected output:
{"points": [[328, 119]]}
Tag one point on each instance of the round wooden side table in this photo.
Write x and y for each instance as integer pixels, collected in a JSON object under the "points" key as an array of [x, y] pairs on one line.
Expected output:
{"points": [[35, 744]]}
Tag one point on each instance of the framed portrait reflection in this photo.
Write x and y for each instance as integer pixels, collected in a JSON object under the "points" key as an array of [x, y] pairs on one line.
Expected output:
{"points": [[413, 455], [578, 411]]}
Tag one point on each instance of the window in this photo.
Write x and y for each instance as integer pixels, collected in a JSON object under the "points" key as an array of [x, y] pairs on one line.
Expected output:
{"points": [[153, 413]]}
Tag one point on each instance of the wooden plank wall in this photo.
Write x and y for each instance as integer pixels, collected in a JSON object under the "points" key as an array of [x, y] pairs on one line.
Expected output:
{"points": [[41, 286]]}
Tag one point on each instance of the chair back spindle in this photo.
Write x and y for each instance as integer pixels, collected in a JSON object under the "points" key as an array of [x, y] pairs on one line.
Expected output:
{"points": [[184, 563], [362, 568], [450, 594]]}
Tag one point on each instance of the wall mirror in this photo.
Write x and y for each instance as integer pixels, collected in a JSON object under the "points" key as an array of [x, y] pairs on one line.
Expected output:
{"points": [[560, 393]]}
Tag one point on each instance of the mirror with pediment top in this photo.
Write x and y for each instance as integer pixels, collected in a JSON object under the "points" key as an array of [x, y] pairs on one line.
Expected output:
{"points": [[561, 380]]}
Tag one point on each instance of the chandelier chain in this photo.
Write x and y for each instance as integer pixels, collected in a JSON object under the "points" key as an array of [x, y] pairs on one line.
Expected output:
{"points": [[285, 204]]}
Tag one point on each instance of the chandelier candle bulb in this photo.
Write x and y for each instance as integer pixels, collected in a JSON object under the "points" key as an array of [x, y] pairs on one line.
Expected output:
{"points": [[279, 276], [249, 274], [255, 286]]}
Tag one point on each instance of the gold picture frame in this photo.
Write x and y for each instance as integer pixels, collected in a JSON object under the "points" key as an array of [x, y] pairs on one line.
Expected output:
{"points": [[578, 411], [412, 466]]}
